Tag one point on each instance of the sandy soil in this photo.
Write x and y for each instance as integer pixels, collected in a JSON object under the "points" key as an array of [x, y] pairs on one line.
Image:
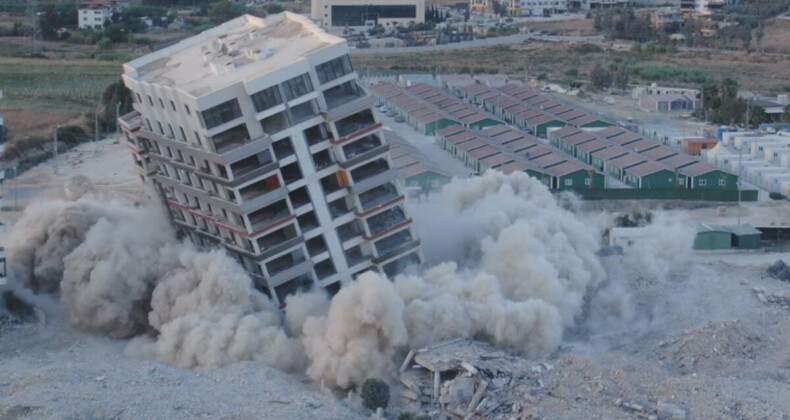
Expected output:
{"points": [[698, 337]]}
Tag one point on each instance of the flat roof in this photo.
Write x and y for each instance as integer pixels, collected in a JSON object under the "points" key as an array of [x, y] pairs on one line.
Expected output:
{"points": [[579, 138], [239, 50], [566, 131], [508, 136], [610, 132], [495, 130], [519, 145], [497, 159], [515, 166], [453, 129], [625, 138], [593, 146], [566, 168], [484, 152], [548, 159], [472, 144]]}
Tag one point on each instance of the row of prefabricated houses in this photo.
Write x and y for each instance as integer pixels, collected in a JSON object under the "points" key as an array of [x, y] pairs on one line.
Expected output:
{"points": [[581, 152]]}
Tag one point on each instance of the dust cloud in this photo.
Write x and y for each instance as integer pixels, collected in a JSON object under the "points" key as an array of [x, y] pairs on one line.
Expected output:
{"points": [[519, 273]]}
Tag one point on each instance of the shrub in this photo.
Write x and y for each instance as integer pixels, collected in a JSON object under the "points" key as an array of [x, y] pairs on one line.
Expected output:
{"points": [[104, 44], [375, 394]]}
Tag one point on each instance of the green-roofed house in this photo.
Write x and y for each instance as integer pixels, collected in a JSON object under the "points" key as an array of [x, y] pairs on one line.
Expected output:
{"points": [[616, 167], [540, 124], [427, 179], [648, 175], [703, 176], [571, 175]]}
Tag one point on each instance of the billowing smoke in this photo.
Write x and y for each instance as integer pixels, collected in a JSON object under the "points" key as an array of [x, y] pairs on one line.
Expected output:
{"points": [[527, 264], [359, 335]]}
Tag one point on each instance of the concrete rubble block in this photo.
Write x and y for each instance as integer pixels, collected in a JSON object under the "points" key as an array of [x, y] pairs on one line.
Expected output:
{"points": [[459, 391], [670, 411]]}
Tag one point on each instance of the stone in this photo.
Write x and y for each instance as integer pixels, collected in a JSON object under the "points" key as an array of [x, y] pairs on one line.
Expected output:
{"points": [[670, 411]]}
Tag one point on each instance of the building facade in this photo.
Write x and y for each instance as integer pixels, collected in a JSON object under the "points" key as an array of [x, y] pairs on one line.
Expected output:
{"points": [[334, 15], [260, 141], [537, 7], [93, 14]]}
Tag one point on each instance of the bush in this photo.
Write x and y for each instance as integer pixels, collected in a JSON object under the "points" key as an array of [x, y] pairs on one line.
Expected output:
{"points": [[104, 44], [273, 8], [375, 394]]}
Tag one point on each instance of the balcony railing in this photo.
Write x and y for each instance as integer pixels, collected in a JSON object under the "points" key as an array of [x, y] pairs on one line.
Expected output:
{"points": [[385, 220]]}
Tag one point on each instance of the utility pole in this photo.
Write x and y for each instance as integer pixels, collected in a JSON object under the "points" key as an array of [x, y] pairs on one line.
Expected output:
{"points": [[740, 180], [16, 188], [96, 126], [117, 116], [55, 151]]}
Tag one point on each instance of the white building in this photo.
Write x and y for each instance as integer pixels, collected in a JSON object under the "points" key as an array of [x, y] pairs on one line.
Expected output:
{"points": [[334, 15], [596, 4], [262, 142], [537, 7], [93, 14]]}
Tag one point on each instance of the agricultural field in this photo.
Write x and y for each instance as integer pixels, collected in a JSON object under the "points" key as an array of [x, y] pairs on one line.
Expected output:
{"points": [[41, 93], [556, 61]]}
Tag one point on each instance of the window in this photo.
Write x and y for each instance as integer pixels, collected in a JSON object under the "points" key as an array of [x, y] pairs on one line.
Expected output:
{"points": [[267, 98], [159, 125], [220, 114], [722, 183], [333, 69], [588, 181], [173, 105], [186, 107], [298, 86], [183, 134], [357, 15], [703, 182], [161, 103], [568, 182], [150, 101], [139, 98], [303, 112]]}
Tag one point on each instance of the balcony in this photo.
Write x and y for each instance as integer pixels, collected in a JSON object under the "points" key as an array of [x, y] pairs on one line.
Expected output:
{"points": [[316, 134], [354, 256], [322, 160], [361, 146], [372, 181], [286, 267], [130, 122], [385, 220], [249, 164], [386, 245], [324, 269], [346, 99], [261, 193], [231, 139], [339, 208], [269, 216], [355, 123], [279, 241], [349, 231], [397, 250], [382, 194], [369, 170]]}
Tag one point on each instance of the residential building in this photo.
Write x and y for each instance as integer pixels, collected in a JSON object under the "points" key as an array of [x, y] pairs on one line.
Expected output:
{"points": [[93, 14], [667, 103], [596, 4], [705, 7], [337, 15], [537, 7], [260, 141], [481, 6]]}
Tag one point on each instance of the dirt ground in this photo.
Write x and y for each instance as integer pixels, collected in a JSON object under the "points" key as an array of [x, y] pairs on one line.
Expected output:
{"points": [[754, 72], [776, 38], [577, 27]]}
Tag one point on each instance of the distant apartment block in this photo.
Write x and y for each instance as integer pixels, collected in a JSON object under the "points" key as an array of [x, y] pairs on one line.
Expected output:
{"points": [[93, 14], [334, 15], [537, 7], [596, 4], [705, 7], [260, 141]]}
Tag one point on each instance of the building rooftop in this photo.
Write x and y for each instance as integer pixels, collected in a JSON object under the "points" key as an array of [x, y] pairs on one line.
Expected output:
{"points": [[239, 50], [646, 168]]}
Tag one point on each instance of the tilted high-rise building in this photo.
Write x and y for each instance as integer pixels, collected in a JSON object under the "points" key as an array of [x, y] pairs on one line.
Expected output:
{"points": [[260, 140]]}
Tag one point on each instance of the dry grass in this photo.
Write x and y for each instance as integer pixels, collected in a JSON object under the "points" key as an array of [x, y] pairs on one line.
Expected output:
{"points": [[576, 27], [754, 72], [777, 37], [40, 94]]}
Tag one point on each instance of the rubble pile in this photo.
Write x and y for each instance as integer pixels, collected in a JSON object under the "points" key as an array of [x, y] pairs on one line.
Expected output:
{"points": [[779, 270], [777, 298], [465, 379]]}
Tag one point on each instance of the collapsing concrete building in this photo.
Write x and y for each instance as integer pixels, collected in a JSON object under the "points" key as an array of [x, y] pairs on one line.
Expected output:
{"points": [[260, 141]]}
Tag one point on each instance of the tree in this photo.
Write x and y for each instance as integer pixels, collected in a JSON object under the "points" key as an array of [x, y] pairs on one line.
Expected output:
{"points": [[375, 393], [113, 94], [600, 77], [758, 35], [622, 76], [758, 116], [224, 10], [786, 114], [48, 21], [273, 8]]}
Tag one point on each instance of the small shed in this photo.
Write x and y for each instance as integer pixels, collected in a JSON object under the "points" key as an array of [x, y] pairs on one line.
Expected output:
{"points": [[710, 237], [745, 237]]}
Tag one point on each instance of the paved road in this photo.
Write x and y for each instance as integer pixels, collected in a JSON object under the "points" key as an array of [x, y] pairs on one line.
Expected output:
{"points": [[478, 43]]}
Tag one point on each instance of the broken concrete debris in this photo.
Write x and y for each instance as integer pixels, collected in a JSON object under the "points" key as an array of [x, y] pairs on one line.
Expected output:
{"points": [[461, 379], [766, 296], [663, 410], [779, 270]]}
